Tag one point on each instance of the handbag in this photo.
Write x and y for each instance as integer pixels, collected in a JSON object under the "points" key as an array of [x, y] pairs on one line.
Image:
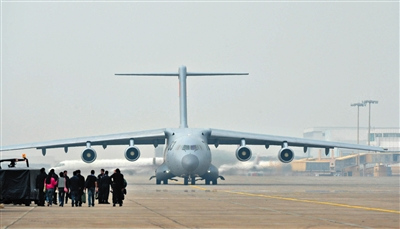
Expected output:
{"points": [[83, 197], [65, 189]]}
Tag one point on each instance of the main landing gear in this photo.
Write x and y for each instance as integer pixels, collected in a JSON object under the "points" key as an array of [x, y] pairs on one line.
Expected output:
{"points": [[192, 180], [214, 181], [158, 181]]}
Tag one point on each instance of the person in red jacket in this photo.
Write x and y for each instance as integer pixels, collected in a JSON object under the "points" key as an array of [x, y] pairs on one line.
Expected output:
{"points": [[50, 183]]}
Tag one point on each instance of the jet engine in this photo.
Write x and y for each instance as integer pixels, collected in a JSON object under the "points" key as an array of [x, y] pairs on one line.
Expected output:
{"points": [[89, 155], [286, 155], [132, 153], [243, 153]]}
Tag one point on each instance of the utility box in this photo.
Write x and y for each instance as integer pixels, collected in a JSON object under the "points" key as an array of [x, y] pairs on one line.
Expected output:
{"points": [[18, 186]]}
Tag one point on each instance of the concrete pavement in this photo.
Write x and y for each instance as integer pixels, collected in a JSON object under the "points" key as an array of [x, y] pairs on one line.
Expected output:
{"points": [[237, 202]]}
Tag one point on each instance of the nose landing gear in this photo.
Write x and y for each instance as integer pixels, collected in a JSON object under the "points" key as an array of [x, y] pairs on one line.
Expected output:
{"points": [[191, 179]]}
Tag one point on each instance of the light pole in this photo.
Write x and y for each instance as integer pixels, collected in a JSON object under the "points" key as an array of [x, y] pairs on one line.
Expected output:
{"points": [[358, 118], [369, 117]]}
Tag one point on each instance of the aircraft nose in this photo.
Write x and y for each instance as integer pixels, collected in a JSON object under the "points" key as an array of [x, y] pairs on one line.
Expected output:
{"points": [[190, 162]]}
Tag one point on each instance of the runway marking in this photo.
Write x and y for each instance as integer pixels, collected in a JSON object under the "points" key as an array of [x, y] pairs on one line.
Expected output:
{"points": [[306, 201]]}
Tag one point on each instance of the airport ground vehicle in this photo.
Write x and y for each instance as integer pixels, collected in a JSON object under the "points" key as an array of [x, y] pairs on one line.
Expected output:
{"points": [[18, 185]]}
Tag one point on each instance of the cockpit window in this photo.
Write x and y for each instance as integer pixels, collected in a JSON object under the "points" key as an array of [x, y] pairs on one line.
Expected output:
{"points": [[207, 147], [189, 147], [171, 146]]}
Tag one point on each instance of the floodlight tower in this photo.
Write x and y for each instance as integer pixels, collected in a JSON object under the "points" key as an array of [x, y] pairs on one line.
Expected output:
{"points": [[358, 118], [369, 117]]}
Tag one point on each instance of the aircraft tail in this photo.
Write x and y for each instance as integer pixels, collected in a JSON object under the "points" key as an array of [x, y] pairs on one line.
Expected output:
{"points": [[182, 75]]}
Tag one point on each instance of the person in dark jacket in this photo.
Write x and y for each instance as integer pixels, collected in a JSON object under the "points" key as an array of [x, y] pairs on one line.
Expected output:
{"points": [[67, 195], [117, 184], [91, 186], [40, 185], [99, 192], [105, 187], [74, 188], [81, 186]]}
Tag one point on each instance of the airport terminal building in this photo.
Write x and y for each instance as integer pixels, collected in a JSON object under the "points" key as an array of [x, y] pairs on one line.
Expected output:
{"points": [[346, 162]]}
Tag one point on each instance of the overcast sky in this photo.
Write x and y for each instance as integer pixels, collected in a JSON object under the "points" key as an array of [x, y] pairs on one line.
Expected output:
{"points": [[307, 62]]}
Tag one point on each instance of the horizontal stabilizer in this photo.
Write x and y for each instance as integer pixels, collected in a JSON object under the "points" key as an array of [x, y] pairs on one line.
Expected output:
{"points": [[214, 74], [177, 74], [147, 74]]}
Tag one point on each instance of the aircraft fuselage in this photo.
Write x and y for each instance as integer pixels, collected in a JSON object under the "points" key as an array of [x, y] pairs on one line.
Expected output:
{"points": [[186, 155]]}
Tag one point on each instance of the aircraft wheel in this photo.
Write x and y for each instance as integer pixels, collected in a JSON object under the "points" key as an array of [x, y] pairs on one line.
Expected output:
{"points": [[158, 181], [193, 181], [166, 181], [214, 182], [207, 182], [185, 181]]}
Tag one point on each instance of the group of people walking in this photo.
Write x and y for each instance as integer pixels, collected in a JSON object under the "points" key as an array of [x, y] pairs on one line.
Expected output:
{"points": [[97, 187]]}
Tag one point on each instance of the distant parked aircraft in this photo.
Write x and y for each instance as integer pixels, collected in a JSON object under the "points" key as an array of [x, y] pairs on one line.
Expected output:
{"points": [[257, 166], [143, 165]]}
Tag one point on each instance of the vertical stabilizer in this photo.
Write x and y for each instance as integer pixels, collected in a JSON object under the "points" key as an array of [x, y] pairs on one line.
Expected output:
{"points": [[182, 75], [182, 97]]}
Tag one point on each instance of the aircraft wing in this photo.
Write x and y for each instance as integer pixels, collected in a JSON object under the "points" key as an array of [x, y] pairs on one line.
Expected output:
{"points": [[150, 137], [227, 137]]}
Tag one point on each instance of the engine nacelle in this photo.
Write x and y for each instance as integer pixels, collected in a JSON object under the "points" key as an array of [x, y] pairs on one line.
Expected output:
{"points": [[132, 153], [243, 153], [89, 155], [286, 155]]}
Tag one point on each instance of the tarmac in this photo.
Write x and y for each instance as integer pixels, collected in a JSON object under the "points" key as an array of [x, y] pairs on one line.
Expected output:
{"points": [[237, 202]]}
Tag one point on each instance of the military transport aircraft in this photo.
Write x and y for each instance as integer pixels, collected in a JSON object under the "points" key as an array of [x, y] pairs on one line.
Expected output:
{"points": [[187, 153]]}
